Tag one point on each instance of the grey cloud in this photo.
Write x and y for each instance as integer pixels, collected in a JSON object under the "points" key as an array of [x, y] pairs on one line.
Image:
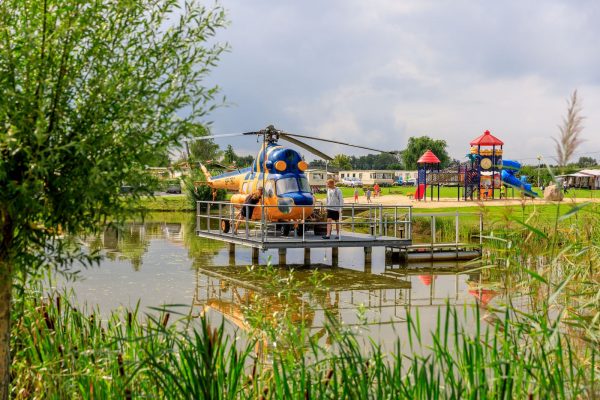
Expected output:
{"points": [[387, 69]]}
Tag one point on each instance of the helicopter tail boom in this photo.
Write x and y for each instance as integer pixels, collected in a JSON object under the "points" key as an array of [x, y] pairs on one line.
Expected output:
{"points": [[206, 173]]}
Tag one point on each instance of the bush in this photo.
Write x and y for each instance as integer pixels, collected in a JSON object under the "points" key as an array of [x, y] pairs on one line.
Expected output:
{"points": [[202, 193]]}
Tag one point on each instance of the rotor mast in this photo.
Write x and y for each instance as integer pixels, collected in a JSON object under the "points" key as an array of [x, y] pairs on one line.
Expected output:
{"points": [[271, 134]]}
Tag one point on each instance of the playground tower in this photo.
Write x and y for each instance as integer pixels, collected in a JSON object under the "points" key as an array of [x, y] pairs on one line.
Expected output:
{"points": [[427, 164], [486, 163]]}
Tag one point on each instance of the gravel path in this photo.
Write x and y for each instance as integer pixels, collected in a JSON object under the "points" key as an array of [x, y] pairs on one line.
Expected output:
{"points": [[397, 199]]}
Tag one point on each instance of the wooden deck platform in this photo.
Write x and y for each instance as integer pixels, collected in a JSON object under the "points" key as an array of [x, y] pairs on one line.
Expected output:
{"points": [[388, 226], [435, 251], [309, 240]]}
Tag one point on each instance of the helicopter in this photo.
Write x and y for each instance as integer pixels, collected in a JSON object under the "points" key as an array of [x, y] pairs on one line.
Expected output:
{"points": [[279, 171]]}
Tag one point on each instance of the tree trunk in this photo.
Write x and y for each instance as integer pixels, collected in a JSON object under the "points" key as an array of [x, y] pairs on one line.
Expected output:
{"points": [[5, 304], [6, 241]]}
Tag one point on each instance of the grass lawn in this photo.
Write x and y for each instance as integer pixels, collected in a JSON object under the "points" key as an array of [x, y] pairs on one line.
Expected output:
{"points": [[170, 202], [492, 212], [535, 214]]}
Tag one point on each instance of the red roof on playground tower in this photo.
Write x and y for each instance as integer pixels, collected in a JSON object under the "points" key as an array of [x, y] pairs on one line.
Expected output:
{"points": [[487, 139], [429, 158]]}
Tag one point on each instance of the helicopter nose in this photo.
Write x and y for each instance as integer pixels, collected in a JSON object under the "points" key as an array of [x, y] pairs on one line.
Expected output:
{"points": [[301, 199]]}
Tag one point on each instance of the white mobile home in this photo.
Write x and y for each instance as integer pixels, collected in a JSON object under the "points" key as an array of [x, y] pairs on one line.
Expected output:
{"points": [[317, 178], [369, 177], [406, 175], [586, 178]]}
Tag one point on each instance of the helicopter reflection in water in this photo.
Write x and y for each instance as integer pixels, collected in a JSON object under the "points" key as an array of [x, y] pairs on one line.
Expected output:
{"points": [[374, 304]]}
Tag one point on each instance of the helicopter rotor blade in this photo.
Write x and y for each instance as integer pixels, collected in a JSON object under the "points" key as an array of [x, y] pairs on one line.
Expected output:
{"points": [[193, 139], [305, 146], [290, 137], [337, 142]]}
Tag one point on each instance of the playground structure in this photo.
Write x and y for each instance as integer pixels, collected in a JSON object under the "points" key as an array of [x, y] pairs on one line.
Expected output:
{"points": [[479, 177], [508, 176], [428, 164]]}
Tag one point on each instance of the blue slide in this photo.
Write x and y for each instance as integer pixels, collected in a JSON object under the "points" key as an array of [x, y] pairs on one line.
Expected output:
{"points": [[509, 168]]}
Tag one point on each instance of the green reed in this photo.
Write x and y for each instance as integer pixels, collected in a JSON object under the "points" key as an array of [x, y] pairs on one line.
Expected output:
{"points": [[63, 353]]}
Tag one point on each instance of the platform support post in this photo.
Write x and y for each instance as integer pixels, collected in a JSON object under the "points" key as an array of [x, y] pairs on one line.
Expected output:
{"points": [[480, 230], [255, 256], [389, 255], [307, 256], [282, 254], [231, 253], [368, 251], [456, 233], [334, 256]]}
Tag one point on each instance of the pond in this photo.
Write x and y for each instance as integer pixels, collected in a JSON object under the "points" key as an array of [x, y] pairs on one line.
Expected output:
{"points": [[162, 262]]}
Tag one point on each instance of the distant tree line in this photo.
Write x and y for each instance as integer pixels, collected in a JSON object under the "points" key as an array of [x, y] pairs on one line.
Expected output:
{"points": [[586, 162], [406, 159], [231, 158], [545, 174], [369, 161]]}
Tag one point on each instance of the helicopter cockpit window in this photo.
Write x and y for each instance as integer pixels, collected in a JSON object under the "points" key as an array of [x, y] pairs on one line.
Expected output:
{"points": [[286, 185], [304, 186]]}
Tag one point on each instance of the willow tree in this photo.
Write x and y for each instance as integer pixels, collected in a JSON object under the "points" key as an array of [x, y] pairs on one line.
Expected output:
{"points": [[419, 145], [90, 90]]}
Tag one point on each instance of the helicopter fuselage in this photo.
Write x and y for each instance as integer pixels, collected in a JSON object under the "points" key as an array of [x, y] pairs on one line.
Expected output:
{"points": [[280, 172]]}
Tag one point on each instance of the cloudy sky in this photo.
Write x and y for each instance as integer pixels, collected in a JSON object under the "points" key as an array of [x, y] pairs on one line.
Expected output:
{"points": [[377, 72]]}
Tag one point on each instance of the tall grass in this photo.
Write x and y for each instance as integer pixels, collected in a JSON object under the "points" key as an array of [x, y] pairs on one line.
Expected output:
{"points": [[69, 354], [570, 131]]}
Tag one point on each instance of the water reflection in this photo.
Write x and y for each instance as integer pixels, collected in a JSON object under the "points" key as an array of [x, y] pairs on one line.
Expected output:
{"points": [[131, 242], [162, 261]]}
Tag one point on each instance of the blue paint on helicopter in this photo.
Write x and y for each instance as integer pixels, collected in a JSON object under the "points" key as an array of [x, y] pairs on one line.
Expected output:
{"points": [[291, 158], [300, 198], [233, 173]]}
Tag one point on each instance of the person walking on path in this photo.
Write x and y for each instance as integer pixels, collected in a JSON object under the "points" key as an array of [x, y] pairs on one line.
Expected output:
{"points": [[356, 194], [376, 189], [368, 194], [335, 201]]}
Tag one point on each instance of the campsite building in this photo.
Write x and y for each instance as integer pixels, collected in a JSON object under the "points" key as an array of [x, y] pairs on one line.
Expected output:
{"points": [[586, 178]]}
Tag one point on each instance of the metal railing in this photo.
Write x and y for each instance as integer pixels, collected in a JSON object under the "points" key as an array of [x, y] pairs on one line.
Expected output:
{"points": [[433, 217], [356, 220]]}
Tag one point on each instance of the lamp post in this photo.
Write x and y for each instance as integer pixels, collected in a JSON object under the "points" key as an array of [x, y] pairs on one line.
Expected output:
{"points": [[539, 158]]}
